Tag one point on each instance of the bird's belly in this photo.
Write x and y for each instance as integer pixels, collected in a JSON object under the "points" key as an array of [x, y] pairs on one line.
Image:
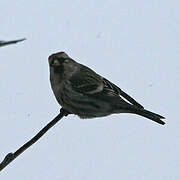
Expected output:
{"points": [[81, 104], [85, 107]]}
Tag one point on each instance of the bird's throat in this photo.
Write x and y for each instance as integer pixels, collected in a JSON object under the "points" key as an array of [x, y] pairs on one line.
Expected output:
{"points": [[58, 69]]}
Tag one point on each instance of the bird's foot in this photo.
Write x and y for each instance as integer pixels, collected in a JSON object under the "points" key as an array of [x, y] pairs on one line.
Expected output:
{"points": [[65, 112]]}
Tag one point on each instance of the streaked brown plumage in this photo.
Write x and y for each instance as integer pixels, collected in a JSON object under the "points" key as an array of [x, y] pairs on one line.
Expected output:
{"points": [[81, 91]]}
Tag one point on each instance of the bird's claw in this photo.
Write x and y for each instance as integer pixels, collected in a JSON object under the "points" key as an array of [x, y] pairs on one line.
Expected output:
{"points": [[65, 112]]}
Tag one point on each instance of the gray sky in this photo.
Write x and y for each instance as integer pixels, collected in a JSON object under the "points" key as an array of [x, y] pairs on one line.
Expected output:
{"points": [[135, 44]]}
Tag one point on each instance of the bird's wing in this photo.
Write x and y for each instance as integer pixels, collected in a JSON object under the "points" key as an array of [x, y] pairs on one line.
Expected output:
{"points": [[87, 81], [112, 89]]}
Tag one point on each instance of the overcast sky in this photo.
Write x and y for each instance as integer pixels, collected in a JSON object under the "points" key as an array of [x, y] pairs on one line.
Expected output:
{"points": [[135, 44]]}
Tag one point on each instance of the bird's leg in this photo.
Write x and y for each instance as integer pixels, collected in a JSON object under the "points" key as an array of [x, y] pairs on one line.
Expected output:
{"points": [[65, 112]]}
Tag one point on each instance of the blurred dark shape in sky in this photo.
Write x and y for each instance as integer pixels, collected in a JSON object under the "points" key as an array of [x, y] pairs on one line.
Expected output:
{"points": [[4, 43]]}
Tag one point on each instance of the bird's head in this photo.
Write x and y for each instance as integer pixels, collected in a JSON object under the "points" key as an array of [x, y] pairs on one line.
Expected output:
{"points": [[60, 63]]}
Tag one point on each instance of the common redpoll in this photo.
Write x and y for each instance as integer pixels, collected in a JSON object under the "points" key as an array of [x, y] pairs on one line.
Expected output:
{"points": [[81, 91]]}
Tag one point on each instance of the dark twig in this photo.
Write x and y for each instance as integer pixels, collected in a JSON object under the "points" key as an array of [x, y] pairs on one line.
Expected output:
{"points": [[4, 43], [11, 156]]}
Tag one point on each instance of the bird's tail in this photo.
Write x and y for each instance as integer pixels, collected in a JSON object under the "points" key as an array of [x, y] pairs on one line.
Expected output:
{"points": [[150, 115], [124, 107]]}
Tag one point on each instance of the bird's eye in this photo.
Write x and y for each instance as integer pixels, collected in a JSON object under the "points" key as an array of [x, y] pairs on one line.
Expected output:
{"points": [[65, 60]]}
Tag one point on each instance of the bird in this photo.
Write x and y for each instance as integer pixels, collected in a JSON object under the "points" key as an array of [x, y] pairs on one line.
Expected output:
{"points": [[5, 43], [81, 91]]}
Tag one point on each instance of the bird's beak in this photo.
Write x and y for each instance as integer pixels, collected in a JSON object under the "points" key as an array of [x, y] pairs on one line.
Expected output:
{"points": [[55, 63]]}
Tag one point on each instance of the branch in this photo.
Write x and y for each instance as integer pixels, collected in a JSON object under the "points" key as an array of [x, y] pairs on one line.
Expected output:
{"points": [[11, 156], [4, 43]]}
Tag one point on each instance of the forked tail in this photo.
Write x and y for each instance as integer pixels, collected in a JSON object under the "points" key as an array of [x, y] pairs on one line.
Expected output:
{"points": [[150, 115], [120, 106]]}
